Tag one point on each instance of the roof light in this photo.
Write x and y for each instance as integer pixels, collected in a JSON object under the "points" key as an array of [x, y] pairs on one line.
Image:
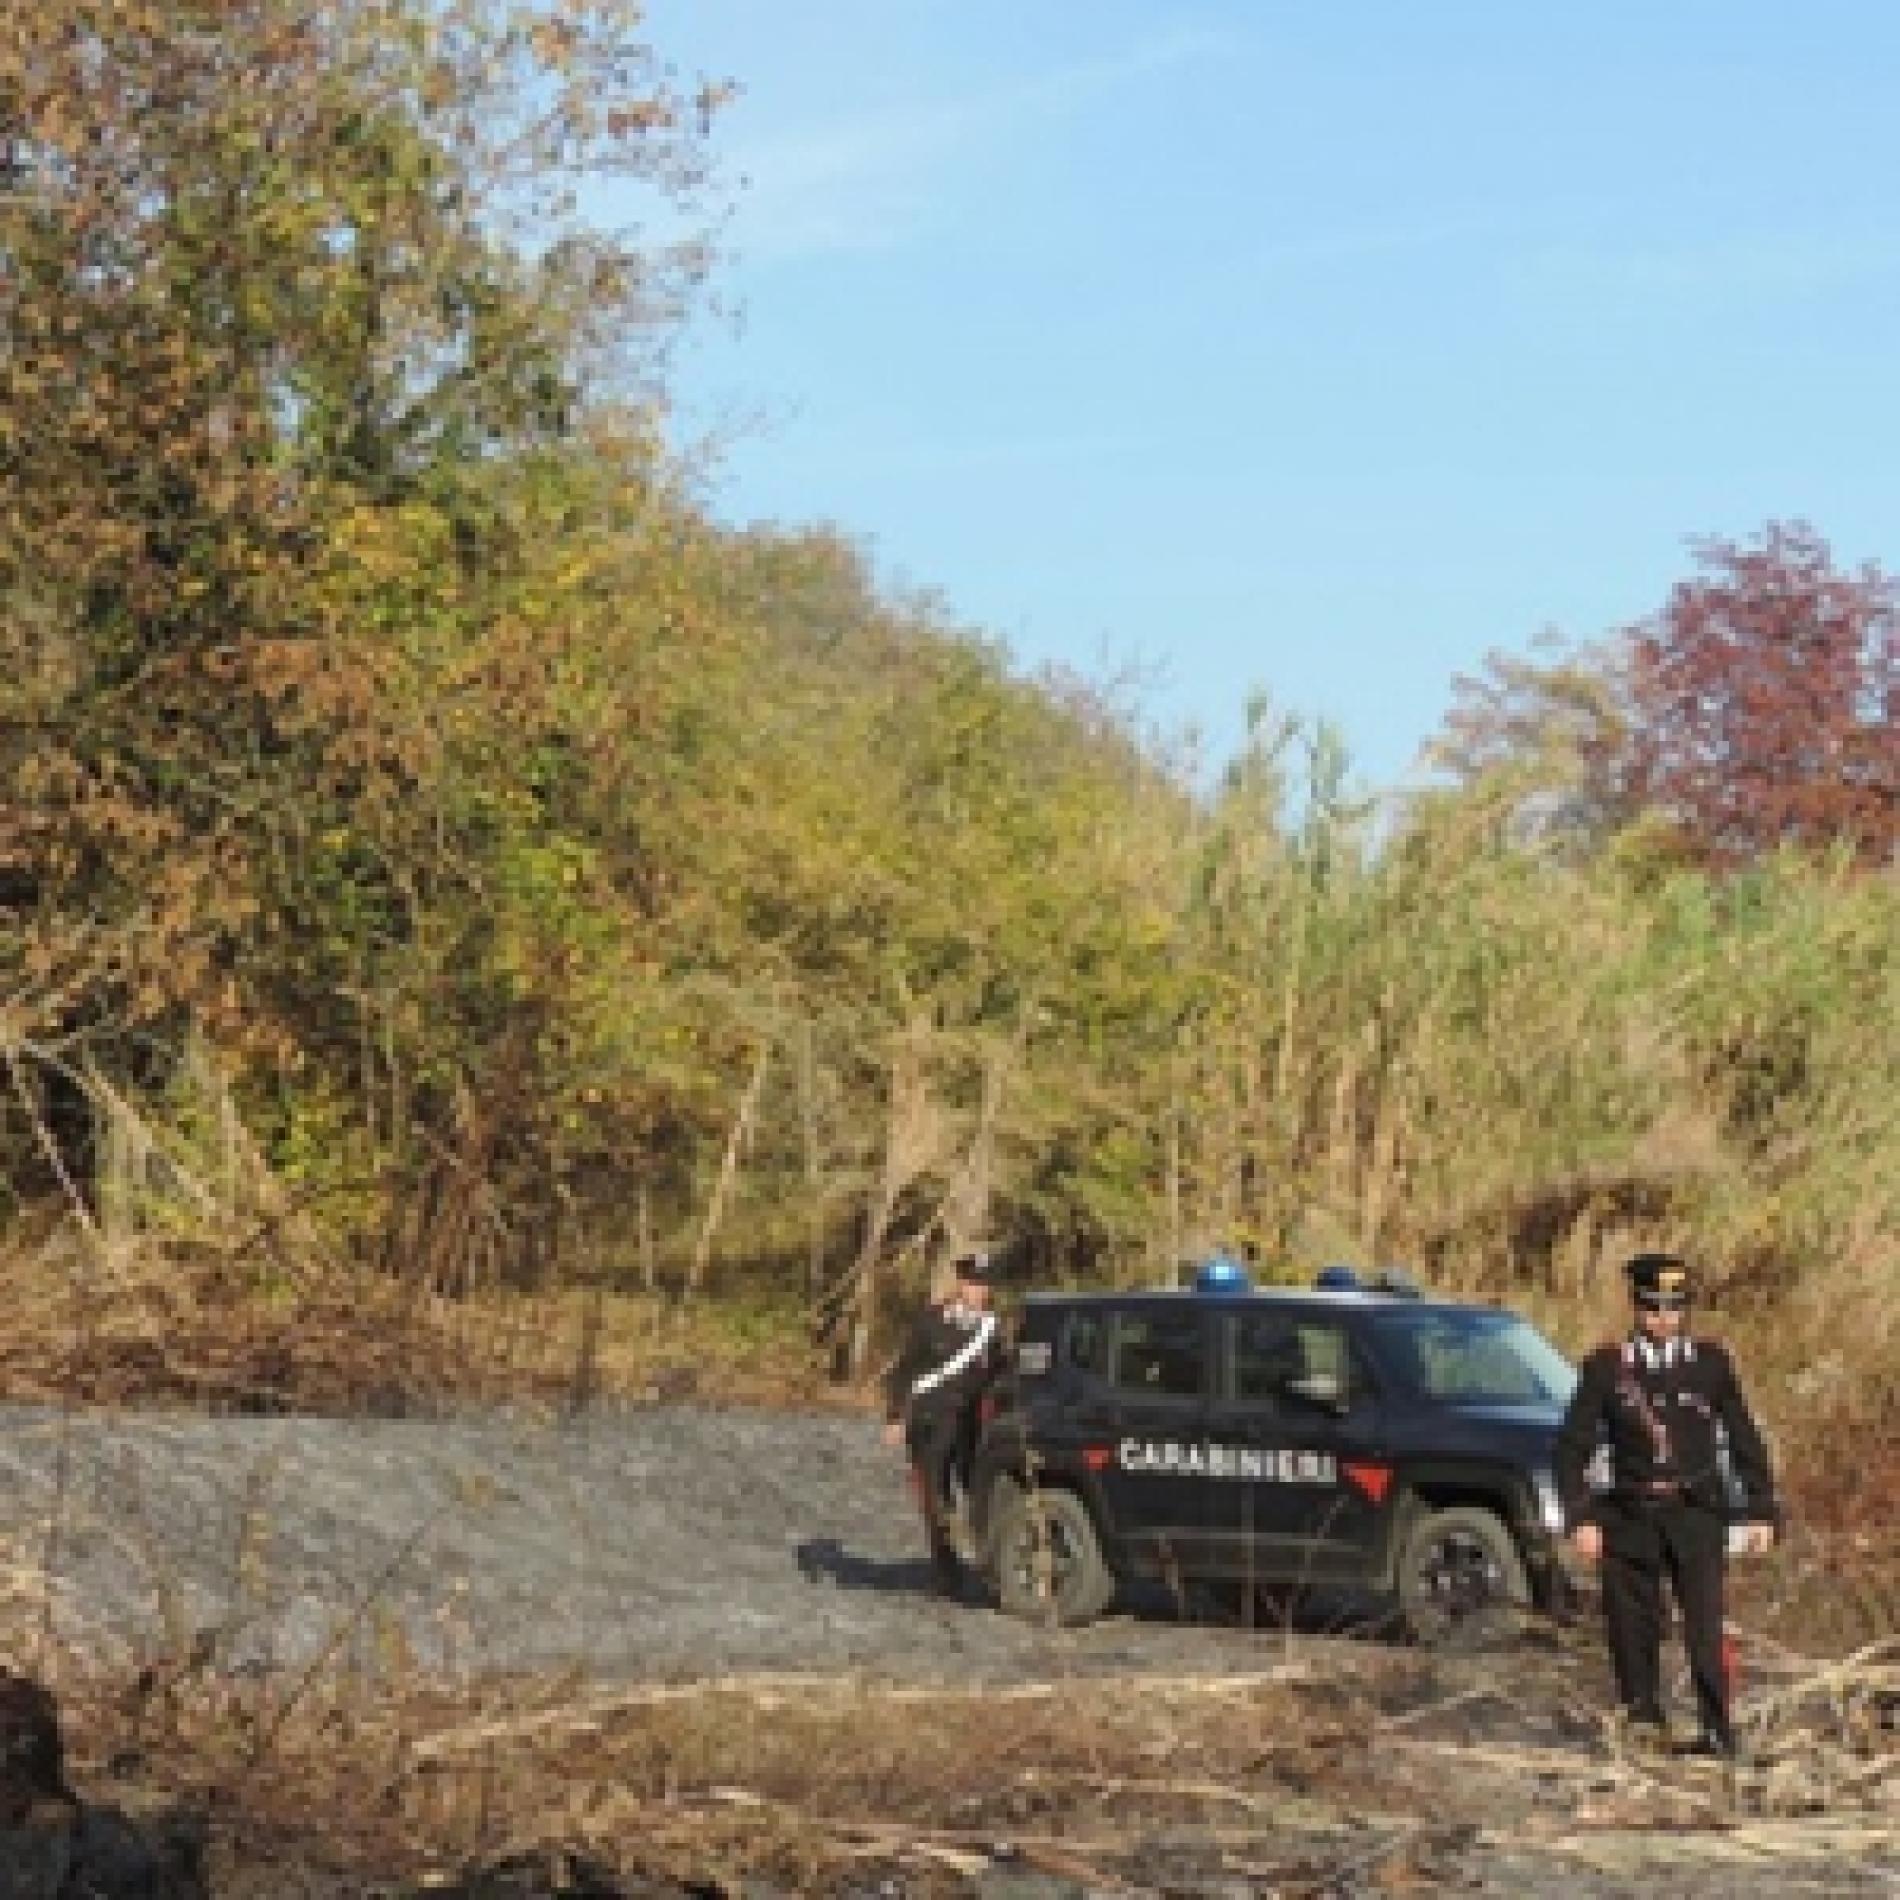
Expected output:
{"points": [[1222, 1275], [1336, 1280]]}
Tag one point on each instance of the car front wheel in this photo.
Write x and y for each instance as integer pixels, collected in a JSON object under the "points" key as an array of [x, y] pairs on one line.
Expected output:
{"points": [[1048, 1559], [1462, 1581]]}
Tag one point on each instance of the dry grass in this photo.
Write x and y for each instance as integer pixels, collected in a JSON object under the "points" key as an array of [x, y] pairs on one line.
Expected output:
{"points": [[807, 1783], [1372, 1766], [164, 1328]]}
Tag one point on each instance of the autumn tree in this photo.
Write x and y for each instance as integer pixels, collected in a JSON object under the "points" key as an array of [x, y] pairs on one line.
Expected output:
{"points": [[1556, 720], [1765, 701], [312, 427]]}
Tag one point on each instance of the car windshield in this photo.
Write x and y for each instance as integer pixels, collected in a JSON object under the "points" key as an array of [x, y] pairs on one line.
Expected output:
{"points": [[1474, 1358]]}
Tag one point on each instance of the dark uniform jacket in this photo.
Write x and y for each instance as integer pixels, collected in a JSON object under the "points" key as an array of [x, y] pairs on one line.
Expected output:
{"points": [[1669, 1413], [952, 1353]]}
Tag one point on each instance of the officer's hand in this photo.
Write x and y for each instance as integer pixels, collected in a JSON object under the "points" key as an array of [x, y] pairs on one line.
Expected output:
{"points": [[1758, 1539], [1587, 1541], [894, 1431]]}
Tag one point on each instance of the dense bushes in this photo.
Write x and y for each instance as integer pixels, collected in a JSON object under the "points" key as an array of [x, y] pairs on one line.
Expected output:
{"points": [[409, 796]]}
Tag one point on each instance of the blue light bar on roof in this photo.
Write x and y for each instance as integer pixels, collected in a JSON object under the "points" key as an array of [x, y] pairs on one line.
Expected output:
{"points": [[1222, 1275]]}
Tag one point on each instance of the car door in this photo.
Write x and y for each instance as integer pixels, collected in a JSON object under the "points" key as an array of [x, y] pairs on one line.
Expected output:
{"points": [[1150, 1416], [1295, 1488]]}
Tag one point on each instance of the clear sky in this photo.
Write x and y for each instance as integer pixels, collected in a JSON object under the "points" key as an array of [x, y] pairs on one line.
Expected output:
{"points": [[1305, 345]]}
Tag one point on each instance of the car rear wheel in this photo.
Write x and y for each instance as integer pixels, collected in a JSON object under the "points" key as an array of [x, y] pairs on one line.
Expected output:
{"points": [[1462, 1581], [1048, 1558]]}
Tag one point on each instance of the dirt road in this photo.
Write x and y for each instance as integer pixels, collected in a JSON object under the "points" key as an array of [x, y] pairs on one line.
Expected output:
{"points": [[660, 1542]]}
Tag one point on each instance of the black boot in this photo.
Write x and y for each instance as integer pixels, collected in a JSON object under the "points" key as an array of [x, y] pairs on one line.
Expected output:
{"points": [[946, 1567], [946, 1579]]}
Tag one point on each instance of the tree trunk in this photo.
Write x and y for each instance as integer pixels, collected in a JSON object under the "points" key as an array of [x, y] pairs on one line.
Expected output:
{"points": [[728, 1171]]}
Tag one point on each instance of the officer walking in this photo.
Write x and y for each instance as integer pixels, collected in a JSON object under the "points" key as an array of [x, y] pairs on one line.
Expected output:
{"points": [[1671, 1411], [930, 1401]]}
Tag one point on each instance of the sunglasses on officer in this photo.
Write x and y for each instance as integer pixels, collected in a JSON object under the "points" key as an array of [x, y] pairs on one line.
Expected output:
{"points": [[1662, 1302]]}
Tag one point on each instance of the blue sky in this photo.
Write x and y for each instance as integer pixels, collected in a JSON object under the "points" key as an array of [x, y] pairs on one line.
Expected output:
{"points": [[1313, 347]]}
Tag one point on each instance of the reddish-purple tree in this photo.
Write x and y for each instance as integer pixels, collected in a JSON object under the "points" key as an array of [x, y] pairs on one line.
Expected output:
{"points": [[1765, 701]]}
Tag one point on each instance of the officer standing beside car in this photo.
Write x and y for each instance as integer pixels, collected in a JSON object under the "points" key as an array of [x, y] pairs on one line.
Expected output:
{"points": [[1670, 1409], [931, 1395]]}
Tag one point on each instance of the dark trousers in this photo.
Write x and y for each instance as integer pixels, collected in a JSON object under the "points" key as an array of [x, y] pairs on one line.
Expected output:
{"points": [[936, 1440], [1641, 1544]]}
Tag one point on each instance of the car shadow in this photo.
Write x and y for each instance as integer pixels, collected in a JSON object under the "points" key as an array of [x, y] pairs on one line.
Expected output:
{"points": [[1312, 1611], [825, 1560], [1318, 1611]]}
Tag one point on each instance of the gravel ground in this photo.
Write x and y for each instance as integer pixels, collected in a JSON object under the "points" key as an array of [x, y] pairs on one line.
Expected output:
{"points": [[652, 1543]]}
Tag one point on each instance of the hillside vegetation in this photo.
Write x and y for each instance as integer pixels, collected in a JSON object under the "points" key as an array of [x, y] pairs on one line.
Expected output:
{"points": [[435, 853]]}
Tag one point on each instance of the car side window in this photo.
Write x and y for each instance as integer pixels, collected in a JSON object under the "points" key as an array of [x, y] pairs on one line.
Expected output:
{"points": [[1327, 1353], [1466, 1362], [1083, 1342], [1159, 1353], [1271, 1350]]}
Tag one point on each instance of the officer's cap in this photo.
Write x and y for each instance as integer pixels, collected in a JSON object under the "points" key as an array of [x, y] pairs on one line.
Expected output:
{"points": [[1658, 1279], [974, 1268]]}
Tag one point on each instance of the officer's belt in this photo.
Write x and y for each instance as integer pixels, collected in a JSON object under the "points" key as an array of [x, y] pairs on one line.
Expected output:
{"points": [[1655, 1490]]}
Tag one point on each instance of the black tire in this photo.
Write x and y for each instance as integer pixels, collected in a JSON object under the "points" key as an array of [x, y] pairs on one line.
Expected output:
{"points": [[1462, 1583], [1047, 1558]]}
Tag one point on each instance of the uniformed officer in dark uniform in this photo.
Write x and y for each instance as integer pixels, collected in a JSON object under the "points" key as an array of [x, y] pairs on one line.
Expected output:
{"points": [[1671, 1411], [931, 1395]]}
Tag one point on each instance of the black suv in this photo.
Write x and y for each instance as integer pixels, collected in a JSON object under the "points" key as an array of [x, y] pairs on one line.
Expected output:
{"points": [[1275, 1441]]}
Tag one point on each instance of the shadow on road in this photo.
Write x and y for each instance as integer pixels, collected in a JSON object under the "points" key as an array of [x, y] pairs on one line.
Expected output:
{"points": [[825, 1560], [1309, 1613]]}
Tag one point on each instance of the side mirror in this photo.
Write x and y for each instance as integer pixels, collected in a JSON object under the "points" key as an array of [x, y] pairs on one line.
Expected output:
{"points": [[1324, 1389]]}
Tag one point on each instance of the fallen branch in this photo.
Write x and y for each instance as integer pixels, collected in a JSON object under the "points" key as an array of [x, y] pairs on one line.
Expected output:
{"points": [[1862, 1670], [971, 1852], [1840, 1843], [1156, 1788], [775, 1690], [1483, 1692], [1529, 1761]]}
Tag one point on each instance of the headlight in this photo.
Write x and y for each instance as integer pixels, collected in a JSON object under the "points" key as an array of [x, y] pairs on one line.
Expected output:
{"points": [[1550, 1507]]}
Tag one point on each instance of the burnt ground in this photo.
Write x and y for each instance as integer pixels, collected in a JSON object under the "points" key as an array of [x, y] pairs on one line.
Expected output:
{"points": [[696, 1642]]}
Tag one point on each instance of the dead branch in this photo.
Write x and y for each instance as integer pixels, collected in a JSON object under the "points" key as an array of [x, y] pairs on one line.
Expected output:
{"points": [[1483, 1692], [779, 1689], [1862, 1671], [43, 1136], [736, 1139]]}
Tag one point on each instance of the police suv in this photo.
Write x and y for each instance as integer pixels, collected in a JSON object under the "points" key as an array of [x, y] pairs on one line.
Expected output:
{"points": [[1351, 1436]]}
